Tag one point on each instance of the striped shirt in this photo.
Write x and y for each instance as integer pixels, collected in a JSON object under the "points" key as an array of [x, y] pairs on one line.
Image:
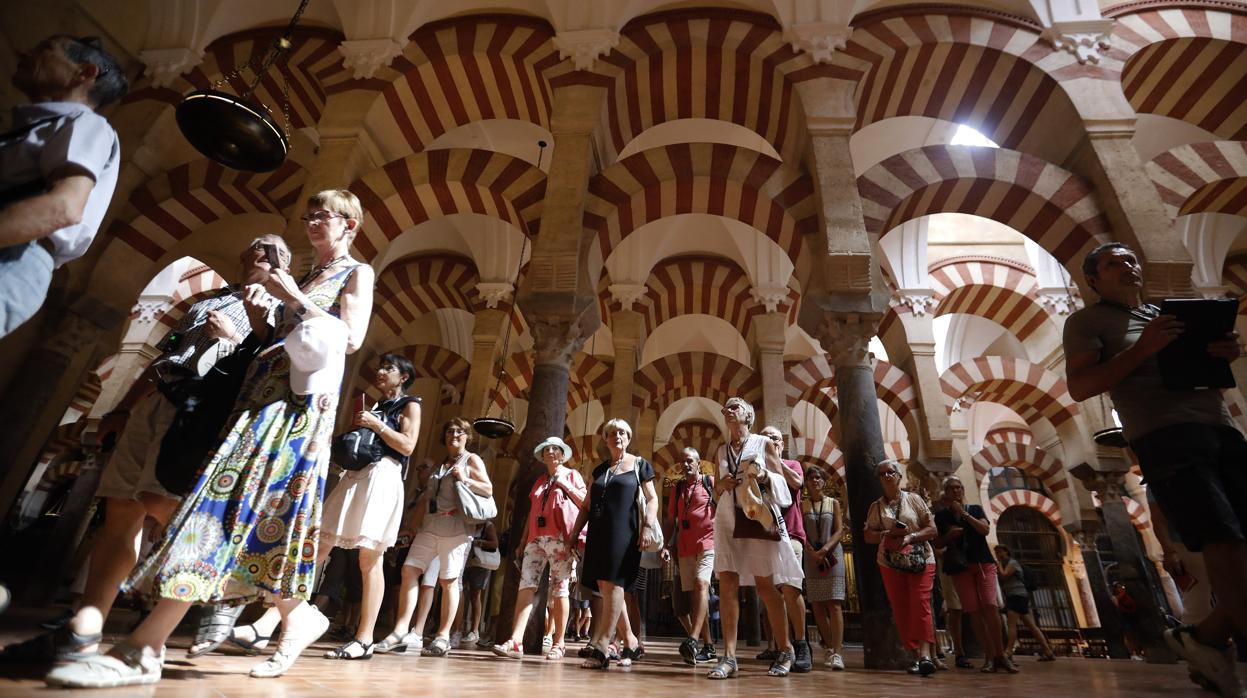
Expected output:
{"points": [[188, 348]]}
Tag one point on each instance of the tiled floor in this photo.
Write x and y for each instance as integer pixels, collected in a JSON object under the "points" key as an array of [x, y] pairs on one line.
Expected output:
{"points": [[468, 674]]}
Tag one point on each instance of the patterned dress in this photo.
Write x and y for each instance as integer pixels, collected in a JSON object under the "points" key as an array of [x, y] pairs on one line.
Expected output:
{"points": [[252, 522]]}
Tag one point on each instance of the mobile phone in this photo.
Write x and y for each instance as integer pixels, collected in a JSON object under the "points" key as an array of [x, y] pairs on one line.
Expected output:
{"points": [[270, 253], [363, 404], [901, 525]]}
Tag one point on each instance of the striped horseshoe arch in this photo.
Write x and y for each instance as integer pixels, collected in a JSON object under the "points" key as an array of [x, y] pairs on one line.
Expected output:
{"points": [[456, 72], [823, 453], [703, 436], [729, 66], [694, 374], [1024, 498], [1208, 177], [1032, 391], [1025, 457], [996, 74], [1055, 208], [170, 208], [1187, 63], [998, 289], [715, 179], [430, 361], [421, 284], [893, 386], [407, 192], [1008, 435]]}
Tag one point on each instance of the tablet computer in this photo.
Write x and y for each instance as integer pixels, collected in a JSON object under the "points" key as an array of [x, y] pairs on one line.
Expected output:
{"points": [[1185, 362]]}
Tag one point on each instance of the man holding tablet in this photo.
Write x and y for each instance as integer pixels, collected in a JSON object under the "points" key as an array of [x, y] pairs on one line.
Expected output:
{"points": [[1192, 456]]}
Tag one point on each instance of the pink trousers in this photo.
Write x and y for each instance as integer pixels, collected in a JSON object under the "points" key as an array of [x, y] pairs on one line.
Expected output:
{"points": [[910, 596]]}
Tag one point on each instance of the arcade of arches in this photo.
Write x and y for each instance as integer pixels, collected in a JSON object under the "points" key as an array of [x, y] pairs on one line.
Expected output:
{"points": [[864, 217]]}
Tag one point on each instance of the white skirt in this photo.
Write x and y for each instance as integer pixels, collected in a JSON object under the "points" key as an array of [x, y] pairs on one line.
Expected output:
{"points": [[753, 557], [365, 509]]}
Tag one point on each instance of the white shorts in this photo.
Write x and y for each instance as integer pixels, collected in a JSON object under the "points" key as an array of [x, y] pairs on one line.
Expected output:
{"points": [[131, 469], [694, 568], [449, 552]]}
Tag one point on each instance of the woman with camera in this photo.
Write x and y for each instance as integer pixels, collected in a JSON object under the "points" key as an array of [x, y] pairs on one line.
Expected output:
{"points": [[554, 504]]}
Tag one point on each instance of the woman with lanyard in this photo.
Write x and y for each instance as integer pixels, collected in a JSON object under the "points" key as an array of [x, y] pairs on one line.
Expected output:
{"points": [[612, 547], [445, 538], [554, 504], [824, 565]]}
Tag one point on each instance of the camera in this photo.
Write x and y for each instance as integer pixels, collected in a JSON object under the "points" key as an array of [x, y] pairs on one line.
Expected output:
{"points": [[541, 522], [684, 524], [432, 506]]}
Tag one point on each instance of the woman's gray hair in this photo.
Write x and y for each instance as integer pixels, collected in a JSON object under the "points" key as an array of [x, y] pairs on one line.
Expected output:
{"points": [[948, 481], [888, 463], [746, 409], [614, 425]]}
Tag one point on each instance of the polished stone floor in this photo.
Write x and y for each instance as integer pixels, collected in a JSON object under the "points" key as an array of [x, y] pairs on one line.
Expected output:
{"points": [[468, 674]]}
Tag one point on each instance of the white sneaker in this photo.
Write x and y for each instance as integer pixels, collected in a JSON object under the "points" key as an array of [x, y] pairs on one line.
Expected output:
{"points": [[546, 643], [1215, 664], [827, 655], [415, 643], [471, 638], [296, 635], [123, 665], [837, 662]]}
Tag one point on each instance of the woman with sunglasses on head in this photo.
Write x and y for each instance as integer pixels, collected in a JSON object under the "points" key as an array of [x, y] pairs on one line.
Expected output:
{"points": [[824, 564], [444, 539], [900, 523], [249, 529], [554, 505]]}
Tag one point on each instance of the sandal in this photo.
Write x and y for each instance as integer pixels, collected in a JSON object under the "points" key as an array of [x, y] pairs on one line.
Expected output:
{"points": [[725, 669], [62, 645], [354, 649], [249, 647], [782, 664], [556, 653], [629, 656], [216, 624], [440, 647], [296, 635], [596, 659], [395, 643], [510, 649]]}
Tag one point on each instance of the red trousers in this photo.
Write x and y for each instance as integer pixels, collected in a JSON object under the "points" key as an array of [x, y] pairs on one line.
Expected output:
{"points": [[910, 596]]}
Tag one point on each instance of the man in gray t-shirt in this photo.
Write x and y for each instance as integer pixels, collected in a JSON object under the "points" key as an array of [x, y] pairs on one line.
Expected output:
{"points": [[1192, 456]]}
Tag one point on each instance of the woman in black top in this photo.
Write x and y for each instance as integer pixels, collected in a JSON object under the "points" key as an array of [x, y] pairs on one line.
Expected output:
{"points": [[969, 561], [612, 547]]}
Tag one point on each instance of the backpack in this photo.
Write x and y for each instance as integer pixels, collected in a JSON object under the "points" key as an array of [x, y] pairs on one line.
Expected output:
{"points": [[1028, 580], [705, 483]]}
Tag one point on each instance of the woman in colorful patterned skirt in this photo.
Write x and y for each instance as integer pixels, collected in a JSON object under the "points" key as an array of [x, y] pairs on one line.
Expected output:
{"points": [[250, 528]]}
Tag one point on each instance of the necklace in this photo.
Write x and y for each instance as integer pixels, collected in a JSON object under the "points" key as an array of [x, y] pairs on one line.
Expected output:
{"points": [[316, 270]]}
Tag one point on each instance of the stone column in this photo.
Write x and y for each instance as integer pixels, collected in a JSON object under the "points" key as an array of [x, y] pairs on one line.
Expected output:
{"points": [[1133, 206], [628, 333], [769, 331], [1131, 562], [487, 331], [1106, 611], [844, 336], [41, 390]]}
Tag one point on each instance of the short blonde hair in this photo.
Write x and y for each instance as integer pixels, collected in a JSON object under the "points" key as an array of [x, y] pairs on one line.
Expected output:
{"points": [[339, 201], [616, 424]]}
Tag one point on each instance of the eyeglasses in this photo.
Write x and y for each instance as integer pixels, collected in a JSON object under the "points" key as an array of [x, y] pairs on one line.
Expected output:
{"points": [[890, 473], [455, 431], [321, 217]]}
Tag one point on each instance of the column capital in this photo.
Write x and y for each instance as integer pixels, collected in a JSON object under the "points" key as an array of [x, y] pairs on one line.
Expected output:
{"points": [[495, 292], [1109, 485], [559, 336], [164, 65], [366, 56], [1086, 39], [585, 46], [627, 295], [918, 300], [819, 39], [770, 297], [846, 337]]}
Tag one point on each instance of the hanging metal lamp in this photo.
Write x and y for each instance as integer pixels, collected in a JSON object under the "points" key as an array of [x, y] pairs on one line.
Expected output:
{"points": [[239, 131]]}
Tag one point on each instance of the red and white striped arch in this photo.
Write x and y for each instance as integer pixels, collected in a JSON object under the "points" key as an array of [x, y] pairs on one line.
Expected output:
{"points": [[1187, 63], [807, 379], [1025, 457], [1000, 290], [1139, 515], [1052, 206], [986, 70], [714, 179], [313, 63], [711, 64], [171, 207], [458, 71], [822, 400], [1024, 498], [823, 453], [421, 284], [694, 374], [195, 285], [703, 436], [1209, 177], [1032, 391], [589, 380], [420, 187], [430, 361], [1008, 435]]}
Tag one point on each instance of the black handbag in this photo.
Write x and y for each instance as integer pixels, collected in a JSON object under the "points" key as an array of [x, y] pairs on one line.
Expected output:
{"points": [[955, 559], [359, 448]]}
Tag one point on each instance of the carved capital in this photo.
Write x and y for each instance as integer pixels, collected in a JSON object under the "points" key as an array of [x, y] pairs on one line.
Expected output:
{"points": [[846, 337], [585, 46], [1086, 39], [557, 340], [163, 65], [367, 56], [1060, 301], [819, 39], [916, 299], [145, 312], [495, 292], [1108, 485], [627, 295], [771, 297]]}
